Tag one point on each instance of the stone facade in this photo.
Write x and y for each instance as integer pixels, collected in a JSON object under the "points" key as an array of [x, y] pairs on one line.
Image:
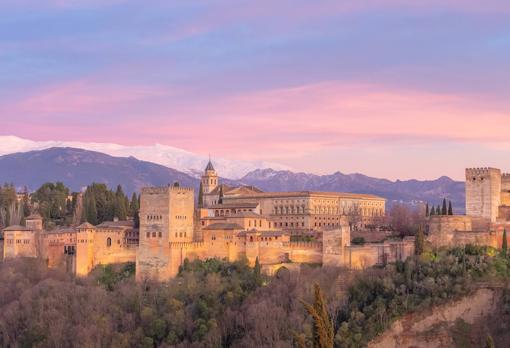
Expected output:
{"points": [[78, 249]]}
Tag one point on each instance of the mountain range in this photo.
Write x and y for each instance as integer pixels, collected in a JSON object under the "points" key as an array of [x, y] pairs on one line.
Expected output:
{"points": [[78, 167], [168, 156]]}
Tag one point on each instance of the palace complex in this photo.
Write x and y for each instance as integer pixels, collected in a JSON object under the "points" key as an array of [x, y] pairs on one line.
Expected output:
{"points": [[277, 228]]}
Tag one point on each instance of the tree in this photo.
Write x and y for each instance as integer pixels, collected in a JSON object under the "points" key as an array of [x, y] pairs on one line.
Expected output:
{"points": [[489, 342], [201, 196], [323, 332], [432, 211], [220, 198], [504, 246], [120, 206], [51, 199], [450, 209], [134, 205], [257, 273], [444, 210], [419, 241], [427, 212], [438, 210]]}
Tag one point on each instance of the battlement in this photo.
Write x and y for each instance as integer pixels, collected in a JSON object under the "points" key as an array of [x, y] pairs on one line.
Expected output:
{"points": [[305, 245], [474, 172], [186, 245], [165, 189]]}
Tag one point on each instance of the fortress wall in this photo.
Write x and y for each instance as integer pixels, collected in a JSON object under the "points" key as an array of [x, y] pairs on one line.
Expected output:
{"points": [[271, 252]]}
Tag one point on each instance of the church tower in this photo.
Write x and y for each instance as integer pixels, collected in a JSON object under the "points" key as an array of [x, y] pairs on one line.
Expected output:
{"points": [[209, 179]]}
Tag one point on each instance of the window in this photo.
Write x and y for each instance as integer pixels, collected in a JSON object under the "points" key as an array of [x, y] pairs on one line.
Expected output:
{"points": [[108, 242], [148, 234], [159, 234], [153, 234]]}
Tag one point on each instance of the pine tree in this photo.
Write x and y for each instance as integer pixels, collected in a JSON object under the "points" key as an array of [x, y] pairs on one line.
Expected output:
{"points": [[419, 241], [427, 212], [438, 210], [450, 209], [432, 211], [323, 333], [504, 245], [444, 211], [201, 196]]}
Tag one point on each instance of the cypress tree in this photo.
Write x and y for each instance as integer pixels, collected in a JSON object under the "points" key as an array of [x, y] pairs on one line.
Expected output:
{"points": [[432, 211], [438, 210], [444, 210], [133, 205], [489, 342], [200, 196], [323, 332], [257, 272], [427, 212], [504, 245], [220, 198], [450, 209], [419, 241]]}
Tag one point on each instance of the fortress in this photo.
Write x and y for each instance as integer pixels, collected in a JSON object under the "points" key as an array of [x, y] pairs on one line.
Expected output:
{"points": [[487, 212], [280, 229]]}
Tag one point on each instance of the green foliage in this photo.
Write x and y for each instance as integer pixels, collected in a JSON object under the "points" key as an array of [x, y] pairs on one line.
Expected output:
{"points": [[110, 309], [110, 275], [504, 245], [444, 210], [489, 342], [358, 241], [450, 208], [377, 299], [419, 241], [52, 202], [200, 195], [323, 332], [102, 204], [427, 209]]}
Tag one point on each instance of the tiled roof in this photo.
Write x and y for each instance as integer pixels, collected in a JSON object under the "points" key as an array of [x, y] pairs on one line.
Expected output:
{"points": [[223, 226], [308, 194]]}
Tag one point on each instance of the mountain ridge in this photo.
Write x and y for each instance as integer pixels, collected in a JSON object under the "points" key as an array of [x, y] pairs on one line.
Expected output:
{"points": [[78, 168]]}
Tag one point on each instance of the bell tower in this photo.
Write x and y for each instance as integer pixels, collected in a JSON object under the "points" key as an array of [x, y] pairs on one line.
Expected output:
{"points": [[209, 179]]}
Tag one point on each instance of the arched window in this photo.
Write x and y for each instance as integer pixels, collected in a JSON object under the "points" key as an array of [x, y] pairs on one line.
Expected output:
{"points": [[109, 242]]}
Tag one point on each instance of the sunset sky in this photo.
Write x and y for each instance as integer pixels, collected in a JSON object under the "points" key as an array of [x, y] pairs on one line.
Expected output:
{"points": [[390, 88]]}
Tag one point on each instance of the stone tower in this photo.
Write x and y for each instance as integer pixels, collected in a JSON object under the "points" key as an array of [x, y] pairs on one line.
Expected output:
{"points": [[483, 192], [209, 179], [166, 216]]}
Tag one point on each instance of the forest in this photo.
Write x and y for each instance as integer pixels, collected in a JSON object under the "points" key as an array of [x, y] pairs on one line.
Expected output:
{"points": [[214, 303]]}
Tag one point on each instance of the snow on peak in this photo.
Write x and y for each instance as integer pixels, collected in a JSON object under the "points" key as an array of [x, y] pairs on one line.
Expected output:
{"points": [[165, 155]]}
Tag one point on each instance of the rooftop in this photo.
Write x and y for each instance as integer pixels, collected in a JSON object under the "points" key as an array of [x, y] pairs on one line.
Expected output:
{"points": [[223, 226], [309, 194]]}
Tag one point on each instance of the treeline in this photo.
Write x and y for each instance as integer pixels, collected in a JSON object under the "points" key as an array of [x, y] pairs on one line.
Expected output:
{"points": [[59, 207], [47, 308], [101, 204], [439, 210], [219, 304], [12, 211]]}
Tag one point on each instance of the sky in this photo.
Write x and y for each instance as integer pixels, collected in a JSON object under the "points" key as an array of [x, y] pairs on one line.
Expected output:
{"points": [[389, 88]]}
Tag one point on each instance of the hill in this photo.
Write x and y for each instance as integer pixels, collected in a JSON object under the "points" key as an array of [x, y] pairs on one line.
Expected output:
{"points": [[77, 168]]}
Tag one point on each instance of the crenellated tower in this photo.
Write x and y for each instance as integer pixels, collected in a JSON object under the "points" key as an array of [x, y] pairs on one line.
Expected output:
{"points": [[483, 192]]}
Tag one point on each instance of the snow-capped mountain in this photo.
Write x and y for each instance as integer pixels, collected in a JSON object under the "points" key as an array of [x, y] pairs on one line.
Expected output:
{"points": [[167, 156]]}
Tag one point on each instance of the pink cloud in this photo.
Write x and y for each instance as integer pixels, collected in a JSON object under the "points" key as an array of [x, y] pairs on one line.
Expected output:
{"points": [[281, 123]]}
